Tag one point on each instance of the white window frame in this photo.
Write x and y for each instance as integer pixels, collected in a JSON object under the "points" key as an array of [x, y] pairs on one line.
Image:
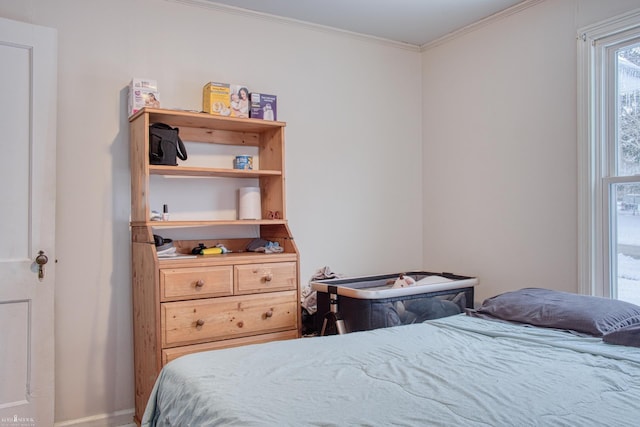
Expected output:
{"points": [[595, 265]]}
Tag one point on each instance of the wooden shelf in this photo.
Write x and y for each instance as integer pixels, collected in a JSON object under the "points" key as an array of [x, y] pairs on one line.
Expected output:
{"points": [[223, 222], [181, 118], [239, 285], [233, 257], [210, 172]]}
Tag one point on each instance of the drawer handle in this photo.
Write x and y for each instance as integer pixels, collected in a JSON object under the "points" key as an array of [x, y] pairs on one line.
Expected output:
{"points": [[200, 283], [199, 323], [268, 277], [268, 314]]}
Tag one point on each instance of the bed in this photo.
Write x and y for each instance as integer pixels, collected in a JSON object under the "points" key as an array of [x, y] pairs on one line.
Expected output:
{"points": [[485, 368]]}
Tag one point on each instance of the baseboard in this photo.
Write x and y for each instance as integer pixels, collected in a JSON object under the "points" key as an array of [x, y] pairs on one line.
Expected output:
{"points": [[115, 419]]}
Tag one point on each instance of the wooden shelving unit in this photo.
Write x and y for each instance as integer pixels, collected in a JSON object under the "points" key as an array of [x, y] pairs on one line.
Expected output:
{"points": [[185, 305]]}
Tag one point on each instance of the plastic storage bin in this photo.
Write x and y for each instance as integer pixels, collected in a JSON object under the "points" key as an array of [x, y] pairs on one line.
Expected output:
{"points": [[370, 302]]}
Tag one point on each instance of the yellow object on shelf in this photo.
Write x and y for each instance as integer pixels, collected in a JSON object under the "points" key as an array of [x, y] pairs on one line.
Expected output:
{"points": [[211, 251], [216, 99]]}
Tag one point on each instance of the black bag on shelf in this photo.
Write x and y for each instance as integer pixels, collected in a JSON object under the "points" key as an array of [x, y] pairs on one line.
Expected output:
{"points": [[165, 145]]}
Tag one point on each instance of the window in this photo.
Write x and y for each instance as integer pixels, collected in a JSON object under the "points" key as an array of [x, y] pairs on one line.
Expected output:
{"points": [[609, 158]]}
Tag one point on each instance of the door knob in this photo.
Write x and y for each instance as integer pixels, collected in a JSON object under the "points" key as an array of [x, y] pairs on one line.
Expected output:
{"points": [[41, 260]]}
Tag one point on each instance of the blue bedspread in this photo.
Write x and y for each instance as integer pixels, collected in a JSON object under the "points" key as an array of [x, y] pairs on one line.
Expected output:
{"points": [[456, 371]]}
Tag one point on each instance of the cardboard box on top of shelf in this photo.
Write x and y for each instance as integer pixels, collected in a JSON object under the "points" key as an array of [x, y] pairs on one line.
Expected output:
{"points": [[142, 93], [216, 98]]}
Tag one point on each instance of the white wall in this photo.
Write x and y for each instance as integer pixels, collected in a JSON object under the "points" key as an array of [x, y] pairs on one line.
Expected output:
{"points": [[353, 156], [494, 185], [499, 128]]}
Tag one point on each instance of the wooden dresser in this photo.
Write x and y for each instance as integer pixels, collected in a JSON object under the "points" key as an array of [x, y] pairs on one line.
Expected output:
{"points": [[188, 304]]}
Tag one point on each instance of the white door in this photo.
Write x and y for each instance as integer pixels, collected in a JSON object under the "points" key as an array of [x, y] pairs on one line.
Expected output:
{"points": [[27, 220]]}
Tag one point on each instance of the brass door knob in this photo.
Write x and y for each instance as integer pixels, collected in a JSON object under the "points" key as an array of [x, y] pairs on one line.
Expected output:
{"points": [[41, 260]]}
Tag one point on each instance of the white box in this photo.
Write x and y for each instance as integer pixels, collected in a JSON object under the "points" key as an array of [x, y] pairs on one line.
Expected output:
{"points": [[143, 93], [239, 100]]}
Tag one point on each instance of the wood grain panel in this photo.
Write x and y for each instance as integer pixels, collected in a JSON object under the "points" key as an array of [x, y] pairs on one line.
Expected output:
{"points": [[197, 282], [187, 322], [266, 277]]}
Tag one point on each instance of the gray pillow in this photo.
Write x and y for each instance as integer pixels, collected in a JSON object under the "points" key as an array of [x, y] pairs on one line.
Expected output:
{"points": [[627, 335], [563, 310]]}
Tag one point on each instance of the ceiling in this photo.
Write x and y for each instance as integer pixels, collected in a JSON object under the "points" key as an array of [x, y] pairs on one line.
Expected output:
{"points": [[415, 22]]}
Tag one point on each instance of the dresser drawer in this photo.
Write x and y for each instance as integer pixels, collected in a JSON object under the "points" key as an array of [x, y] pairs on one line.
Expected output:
{"points": [[170, 354], [276, 276], [195, 282], [187, 322]]}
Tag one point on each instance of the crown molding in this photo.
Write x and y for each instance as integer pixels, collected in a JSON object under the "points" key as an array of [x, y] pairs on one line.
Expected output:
{"points": [[608, 27], [479, 24], [211, 5], [206, 4]]}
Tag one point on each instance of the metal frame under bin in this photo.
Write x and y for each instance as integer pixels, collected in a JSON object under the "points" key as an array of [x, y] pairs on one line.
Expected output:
{"points": [[370, 302]]}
